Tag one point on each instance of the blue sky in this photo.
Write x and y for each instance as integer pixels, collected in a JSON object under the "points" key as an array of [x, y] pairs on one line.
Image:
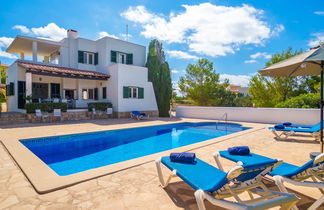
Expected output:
{"points": [[238, 36]]}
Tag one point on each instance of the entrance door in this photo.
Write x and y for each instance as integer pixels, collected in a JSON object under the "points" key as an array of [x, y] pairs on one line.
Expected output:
{"points": [[40, 90], [21, 94]]}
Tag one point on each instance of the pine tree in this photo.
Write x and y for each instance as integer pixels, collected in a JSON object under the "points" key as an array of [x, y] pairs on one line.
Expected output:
{"points": [[160, 76]]}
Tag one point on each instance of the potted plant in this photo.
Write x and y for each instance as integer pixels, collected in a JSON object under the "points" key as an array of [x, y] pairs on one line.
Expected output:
{"points": [[28, 99]]}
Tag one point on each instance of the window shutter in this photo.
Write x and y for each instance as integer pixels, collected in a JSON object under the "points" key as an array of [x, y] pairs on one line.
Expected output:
{"points": [[140, 92], [7, 90], [125, 92], [129, 59], [96, 94], [80, 56], [104, 92], [113, 56], [96, 59]]}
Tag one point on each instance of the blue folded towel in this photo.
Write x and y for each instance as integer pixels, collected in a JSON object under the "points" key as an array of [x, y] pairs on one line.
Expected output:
{"points": [[279, 126], [287, 123], [183, 157], [241, 150]]}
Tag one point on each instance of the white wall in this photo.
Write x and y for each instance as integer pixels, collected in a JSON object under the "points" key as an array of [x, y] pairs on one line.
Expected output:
{"points": [[248, 114], [128, 75]]}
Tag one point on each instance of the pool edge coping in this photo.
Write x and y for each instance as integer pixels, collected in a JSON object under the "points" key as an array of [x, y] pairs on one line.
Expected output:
{"points": [[45, 180]]}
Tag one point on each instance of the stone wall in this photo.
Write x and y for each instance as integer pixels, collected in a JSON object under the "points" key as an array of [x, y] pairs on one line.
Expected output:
{"points": [[127, 114]]}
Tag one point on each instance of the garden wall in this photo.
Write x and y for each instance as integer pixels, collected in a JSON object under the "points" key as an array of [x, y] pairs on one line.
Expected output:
{"points": [[249, 114]]}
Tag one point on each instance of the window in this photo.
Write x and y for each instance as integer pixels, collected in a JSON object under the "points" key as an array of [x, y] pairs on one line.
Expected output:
{"points": [[120, 57], [87, 94], [55, 90], [133, 92], [88, 57], [10, 89], [104, 93]]}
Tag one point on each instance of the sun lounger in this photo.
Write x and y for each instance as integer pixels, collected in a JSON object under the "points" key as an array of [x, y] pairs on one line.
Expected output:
{"points": [[138, 115], [57, 113], [214, 185], [285, 172], [289, 131]]}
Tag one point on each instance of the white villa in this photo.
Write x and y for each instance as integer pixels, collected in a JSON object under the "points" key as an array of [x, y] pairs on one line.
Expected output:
{"points": [[78, 71]]}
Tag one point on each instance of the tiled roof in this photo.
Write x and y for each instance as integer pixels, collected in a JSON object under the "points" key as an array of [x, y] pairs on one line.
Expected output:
{"points": [[59, 71]]}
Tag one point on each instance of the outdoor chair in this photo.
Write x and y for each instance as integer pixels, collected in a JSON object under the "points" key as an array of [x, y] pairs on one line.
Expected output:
{"points": [[57, 113], [285, 172], [214, 185], [39, 114]]}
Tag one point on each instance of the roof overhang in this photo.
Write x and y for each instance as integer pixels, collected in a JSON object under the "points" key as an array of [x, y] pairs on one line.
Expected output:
{"points": [[59, 71], [24, 44]]}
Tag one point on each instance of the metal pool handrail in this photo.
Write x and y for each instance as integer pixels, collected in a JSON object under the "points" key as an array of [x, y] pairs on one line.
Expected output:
{"points": [[224, 115]]}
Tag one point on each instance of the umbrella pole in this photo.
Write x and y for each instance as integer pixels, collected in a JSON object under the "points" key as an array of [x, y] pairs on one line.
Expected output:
{"points": [[321, 131]]}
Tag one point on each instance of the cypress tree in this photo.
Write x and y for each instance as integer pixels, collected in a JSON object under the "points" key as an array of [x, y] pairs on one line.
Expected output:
{"points": [[160, 76]]}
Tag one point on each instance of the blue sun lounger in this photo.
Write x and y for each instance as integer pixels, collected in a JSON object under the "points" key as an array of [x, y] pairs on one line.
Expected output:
{"points": [[300, 126], [285, 172], [138, 115], [288, 131], [212, 184]]}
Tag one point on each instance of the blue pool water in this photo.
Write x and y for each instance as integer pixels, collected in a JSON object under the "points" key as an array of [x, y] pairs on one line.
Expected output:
{"points": [[70, 154]]}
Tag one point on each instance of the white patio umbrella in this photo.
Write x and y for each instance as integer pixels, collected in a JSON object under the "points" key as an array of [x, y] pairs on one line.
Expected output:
{"points": [[308, 63]]}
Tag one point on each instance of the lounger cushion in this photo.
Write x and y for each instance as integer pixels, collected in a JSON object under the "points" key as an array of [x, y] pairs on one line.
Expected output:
{"points": [[199, 175], [248, 160], [301, 130], [289, 170]]}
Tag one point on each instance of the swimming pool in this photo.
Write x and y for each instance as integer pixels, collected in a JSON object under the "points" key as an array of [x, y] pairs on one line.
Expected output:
{"points": [[74, 153]]}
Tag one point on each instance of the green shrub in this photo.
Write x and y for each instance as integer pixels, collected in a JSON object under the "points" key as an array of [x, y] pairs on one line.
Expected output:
{"points": [[45, 107], [100, 106], [309, 100]]}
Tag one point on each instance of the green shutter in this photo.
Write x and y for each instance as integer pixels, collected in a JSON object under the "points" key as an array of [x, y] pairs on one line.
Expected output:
{"points": [[96, 94], [140, 92], [125, 92], [129, 59], [104, 92], [113, 56], [80, 56], [96, 59]]}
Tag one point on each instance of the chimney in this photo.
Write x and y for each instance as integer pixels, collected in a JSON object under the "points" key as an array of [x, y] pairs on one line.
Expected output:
{"points": [[72, 33]]}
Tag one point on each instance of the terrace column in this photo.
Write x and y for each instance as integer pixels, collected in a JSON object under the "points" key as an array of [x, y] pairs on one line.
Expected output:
{"points": [[22, 56], [28, 84], [34, 51]]}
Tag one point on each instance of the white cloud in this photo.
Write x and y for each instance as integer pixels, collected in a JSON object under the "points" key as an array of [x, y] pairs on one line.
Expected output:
{"points": [[319, 13], [258, 55], [181, 55], [104, 34], [206, 28], [7, 55], [50, 31], [22, 28], [318, 38], [175, 71], [277, 30], [241, 80], [126, 36], [5, 41], [250, 61]]}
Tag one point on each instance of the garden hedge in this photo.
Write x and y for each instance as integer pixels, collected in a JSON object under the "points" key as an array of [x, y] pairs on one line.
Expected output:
{"points": [[45, 107], [99, 106]]}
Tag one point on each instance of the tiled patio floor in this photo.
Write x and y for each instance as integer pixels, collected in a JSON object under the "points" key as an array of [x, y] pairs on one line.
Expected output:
{"points": [[137, 187]]}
